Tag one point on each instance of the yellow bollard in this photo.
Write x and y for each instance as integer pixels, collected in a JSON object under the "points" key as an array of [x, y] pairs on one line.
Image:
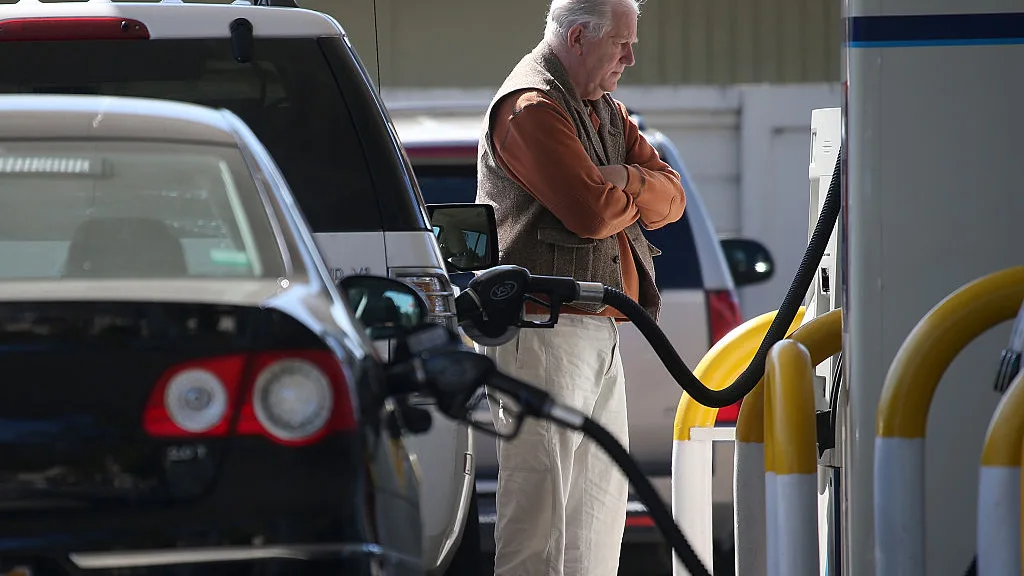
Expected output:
{"points": [[721, 366], [998, 536], [791, 461], [691, 460], [823, 338], [769, 516], [902, 418]]}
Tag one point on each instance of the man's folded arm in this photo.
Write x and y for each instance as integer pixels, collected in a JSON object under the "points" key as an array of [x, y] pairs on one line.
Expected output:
{"points": [[536, 143], [652, 183]]}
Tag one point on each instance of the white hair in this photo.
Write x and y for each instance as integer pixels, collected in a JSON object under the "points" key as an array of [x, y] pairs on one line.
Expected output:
{"points": [[594, 15]]}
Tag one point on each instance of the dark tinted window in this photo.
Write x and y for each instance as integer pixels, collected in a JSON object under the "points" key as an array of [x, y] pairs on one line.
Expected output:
{"points": [[677, 268], [447, 184], [287, 94]]}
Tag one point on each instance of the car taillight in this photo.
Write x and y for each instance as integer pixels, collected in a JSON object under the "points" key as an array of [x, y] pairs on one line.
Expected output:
{"points": [[291, 397], [437, 289], [194, 398], [72, 28], [296, 398], [723, 316]]}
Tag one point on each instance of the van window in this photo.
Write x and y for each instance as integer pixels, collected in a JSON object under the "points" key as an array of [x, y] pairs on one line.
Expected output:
{"points": [[287, 95], [678, 267]]}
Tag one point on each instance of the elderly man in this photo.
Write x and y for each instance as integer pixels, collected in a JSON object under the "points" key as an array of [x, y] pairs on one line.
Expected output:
{"points": [[572, 181]]}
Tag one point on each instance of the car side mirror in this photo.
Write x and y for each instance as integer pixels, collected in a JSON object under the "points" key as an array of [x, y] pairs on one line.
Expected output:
{"points": [[749, 261], [387, 308], [467, 235]]}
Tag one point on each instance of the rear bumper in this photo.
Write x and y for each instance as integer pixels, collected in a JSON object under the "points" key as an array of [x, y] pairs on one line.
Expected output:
{"points": [[308, 510], [226, 485], [301, 544], [337, 555], [283, 559]]}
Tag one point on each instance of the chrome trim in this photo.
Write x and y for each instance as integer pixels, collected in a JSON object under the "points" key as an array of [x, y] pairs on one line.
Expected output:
{"points": [[591, 292], [454, 538], [173, 556]]}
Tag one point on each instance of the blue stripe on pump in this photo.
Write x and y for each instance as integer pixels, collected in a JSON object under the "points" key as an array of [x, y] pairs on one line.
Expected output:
{"points": [[993, 29]]}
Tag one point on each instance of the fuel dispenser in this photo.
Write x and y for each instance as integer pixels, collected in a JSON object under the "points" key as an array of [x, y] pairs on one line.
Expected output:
{"points": [[932, 201]]}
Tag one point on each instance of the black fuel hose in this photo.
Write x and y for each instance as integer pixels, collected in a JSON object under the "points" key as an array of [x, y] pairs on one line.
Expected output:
{"points": [[648, 495], [776, 332]]}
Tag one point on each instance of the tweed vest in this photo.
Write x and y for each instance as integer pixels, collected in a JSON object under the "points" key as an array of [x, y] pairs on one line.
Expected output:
{"points": [[529, 235]]}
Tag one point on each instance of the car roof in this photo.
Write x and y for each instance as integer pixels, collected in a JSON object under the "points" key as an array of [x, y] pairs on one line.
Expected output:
{"points": [[454, 126], [176, 19], [90, 116], [453, 123]]}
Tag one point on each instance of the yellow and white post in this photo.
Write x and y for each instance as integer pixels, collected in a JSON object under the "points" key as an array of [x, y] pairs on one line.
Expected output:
{"points": [[999, 487], [791, 463], [692, 457], [822, 337], [903, 409], [750, 481]]}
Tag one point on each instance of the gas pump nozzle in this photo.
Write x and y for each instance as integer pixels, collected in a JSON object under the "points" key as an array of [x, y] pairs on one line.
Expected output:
{"points": [[490, 310]]}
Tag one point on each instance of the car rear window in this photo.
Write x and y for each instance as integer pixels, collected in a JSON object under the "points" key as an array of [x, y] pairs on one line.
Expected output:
{"points": [[287, 94], [678, 267], [117, 209]]}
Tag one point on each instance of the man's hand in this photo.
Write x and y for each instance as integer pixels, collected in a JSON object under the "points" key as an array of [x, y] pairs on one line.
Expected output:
{"points": [[615, 174]]}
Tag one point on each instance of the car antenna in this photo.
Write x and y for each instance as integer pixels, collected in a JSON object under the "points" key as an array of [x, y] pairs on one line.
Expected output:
{"points": [[376, 42]]}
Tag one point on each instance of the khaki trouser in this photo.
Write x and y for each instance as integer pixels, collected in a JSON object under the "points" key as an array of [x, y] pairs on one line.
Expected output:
{"points": [[561, 501]]}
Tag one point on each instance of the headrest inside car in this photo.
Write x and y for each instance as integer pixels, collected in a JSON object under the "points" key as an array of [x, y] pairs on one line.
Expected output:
{"points": [[124, 248]]}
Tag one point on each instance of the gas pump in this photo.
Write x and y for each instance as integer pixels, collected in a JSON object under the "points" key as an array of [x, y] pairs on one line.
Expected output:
{"points": [[930, 203]]}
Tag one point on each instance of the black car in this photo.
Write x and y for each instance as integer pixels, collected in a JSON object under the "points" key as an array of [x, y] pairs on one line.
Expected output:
{"points": [[186, 392], [294, 78]]}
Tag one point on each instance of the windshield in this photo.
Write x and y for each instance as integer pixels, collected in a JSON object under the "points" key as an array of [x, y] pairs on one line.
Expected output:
{"points": [[287, 95], [106, 209]]}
